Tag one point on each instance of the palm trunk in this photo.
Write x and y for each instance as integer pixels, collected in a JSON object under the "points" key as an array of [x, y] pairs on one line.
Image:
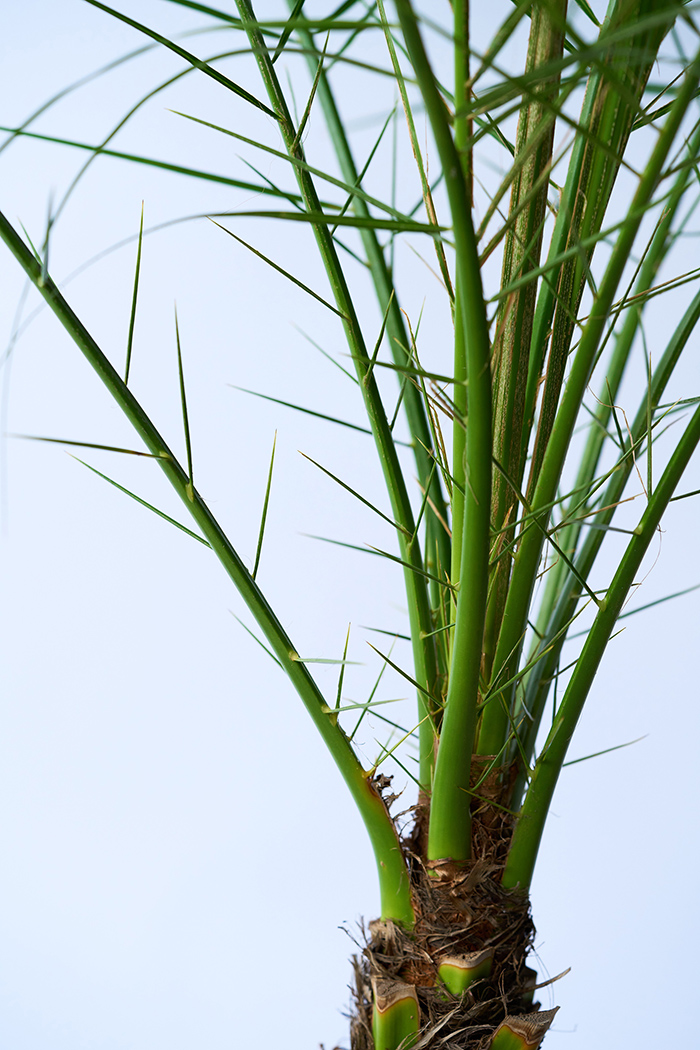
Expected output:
{"points": [[468, 927]]}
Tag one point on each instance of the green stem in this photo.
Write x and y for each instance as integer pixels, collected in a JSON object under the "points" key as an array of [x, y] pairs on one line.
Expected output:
{"points": [[459, 450], [462, 122], [537, 685], [462, 136], [496, 720], [424, 649], [511, 351], [398, 338], [530, 824], [610, 105], [562, 589], [393, 874], [450, 816]]}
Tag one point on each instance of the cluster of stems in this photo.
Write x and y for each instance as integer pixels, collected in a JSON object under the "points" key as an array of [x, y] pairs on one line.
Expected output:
{"points": [[492, 516]]}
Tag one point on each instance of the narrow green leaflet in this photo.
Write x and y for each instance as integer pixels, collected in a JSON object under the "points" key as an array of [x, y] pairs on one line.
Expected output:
{"points": [[144, 503], [134, 298], [288, 29], [266, 503], [280, 269], [203, 67]]}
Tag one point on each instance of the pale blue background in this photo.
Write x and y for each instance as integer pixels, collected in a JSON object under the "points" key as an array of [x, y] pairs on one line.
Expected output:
{"points": [[178, 850]]}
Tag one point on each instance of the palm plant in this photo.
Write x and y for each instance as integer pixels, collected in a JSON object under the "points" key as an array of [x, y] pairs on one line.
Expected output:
{"points": [[552, 158]]}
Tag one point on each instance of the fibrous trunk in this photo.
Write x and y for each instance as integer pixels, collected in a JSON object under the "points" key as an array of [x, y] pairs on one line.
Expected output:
{"points": [[464, 964]]}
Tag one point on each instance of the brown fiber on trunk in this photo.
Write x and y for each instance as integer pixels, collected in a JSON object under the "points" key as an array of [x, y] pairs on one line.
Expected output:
{"points": [[460, 909]]}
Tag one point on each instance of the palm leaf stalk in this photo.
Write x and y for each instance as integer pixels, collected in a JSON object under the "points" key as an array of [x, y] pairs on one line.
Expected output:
{"points": [[608, 115], [437, 544], [393, 877], [512, 493], [511, 350], [537, 682], [424, 646]]}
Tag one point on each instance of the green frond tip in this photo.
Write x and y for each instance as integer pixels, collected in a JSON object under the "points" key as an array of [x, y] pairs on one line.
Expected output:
{"points": [[367, 706], [189, 487], [396, 524], [458, 972], [588, 11], [607, 751], [359, 222], [404, 674], [343, 662], [288, 29], [525, 1032], [396, 1015], [309, 411], [149, 506], [134, 299], [293, 149], [91, 444], [196, 63], [325, 660], [255, 638], [266, 504], [280, 269]]}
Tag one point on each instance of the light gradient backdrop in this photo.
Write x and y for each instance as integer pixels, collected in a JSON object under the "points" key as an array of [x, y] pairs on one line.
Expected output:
{"points": [[179, 855]]}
